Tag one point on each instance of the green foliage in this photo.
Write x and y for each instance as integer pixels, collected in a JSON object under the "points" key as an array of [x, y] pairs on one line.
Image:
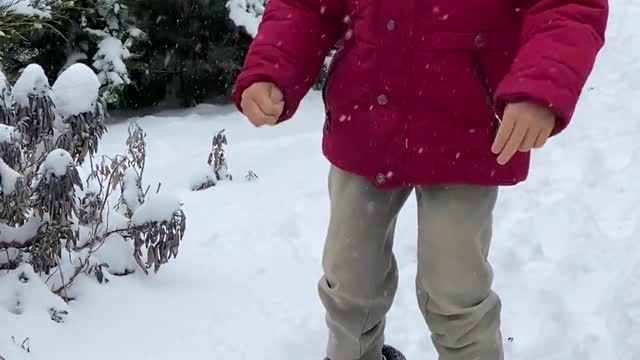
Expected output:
{"points": [[192, 51], [177, 52], [54, 41]]}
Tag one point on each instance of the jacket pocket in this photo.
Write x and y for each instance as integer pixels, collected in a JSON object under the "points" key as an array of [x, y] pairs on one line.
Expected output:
{"points": [[327, 84], [483, 81]]}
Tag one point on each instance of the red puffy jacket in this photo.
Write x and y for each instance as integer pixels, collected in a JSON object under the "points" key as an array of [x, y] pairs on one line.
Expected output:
{"points": [[416, 87]]}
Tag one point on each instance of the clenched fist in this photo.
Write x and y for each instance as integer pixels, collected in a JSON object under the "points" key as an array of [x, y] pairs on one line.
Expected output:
{"points": [[525, 126], [262, 103]]}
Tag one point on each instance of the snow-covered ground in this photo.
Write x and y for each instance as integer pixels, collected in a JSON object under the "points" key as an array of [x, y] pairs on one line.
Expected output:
{"points": [[566, 249]]}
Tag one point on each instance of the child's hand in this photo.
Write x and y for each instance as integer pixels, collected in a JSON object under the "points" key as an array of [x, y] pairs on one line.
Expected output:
{"points": [[262, 103], [525, 126]]}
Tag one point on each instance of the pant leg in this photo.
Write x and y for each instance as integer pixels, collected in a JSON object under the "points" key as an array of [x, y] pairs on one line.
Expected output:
{"points": [[454, 277], [360, 271]]}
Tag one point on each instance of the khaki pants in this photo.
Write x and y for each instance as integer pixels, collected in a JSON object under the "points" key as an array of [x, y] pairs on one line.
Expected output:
{"points": [[453, 281]]}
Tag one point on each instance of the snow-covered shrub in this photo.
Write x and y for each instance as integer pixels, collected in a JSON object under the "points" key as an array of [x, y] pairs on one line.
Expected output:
{"points": [[54, 223], [115, 35], [217, 168], [247, 14], [158, 227], [6, 101], [34, 107], [80, 110], [62, 32], [251, 176], [217, 158], [112, 71], [131, 194], [19, 20], [14, 195]]}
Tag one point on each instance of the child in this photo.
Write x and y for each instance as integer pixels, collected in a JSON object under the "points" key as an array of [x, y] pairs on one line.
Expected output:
{"points": [[444, 97]]}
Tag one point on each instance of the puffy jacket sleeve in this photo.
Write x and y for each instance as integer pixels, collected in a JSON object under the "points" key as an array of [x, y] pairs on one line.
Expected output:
{"points": [[560, 41], [292, 42]]}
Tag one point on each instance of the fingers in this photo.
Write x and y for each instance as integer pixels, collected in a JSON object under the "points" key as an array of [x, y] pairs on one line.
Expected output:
{"points": [[277, 99], [503, 135], [513, 144], [276, 95], [542, 138], [529, 140], [263, 104], [525, 126], [267, 106], [255, 114]]}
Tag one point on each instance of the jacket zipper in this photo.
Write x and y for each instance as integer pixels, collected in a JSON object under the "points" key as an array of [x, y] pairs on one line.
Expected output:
{"points": [[488, 92], [327, 115], [332, 66]]}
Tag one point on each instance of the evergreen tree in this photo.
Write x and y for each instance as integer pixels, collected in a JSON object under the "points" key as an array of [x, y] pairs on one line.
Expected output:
{"points": [[192, 52]]}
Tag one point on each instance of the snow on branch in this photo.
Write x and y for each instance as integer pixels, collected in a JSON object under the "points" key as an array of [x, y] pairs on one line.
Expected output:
{"points": [[109, 61], [19, 237], [159, 225], [247, 13], [54, 188], [25, 7], [32, 83], [10, 151], [157, 208], [7, 115], [81, 111], [76, 91], [33, 106], [8, 179]]}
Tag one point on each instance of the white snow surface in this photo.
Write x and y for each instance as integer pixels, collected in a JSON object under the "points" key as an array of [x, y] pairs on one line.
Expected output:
{"points": [[75, 91], [24, 293], [565, 250], [8, 178], [66, 270], [156, 208], [6, 99], [22, 234], [131, 193], [7, 133], [32, 82], [13, 349], [118, 253], [202, 174]]}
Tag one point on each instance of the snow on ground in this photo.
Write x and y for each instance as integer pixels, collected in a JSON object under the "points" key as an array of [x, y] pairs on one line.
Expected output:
{"points": [[565, 251]]}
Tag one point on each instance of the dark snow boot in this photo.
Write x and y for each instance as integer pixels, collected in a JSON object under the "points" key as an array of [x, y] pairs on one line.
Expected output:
{"points": [[388, 353], [391, 353]]}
